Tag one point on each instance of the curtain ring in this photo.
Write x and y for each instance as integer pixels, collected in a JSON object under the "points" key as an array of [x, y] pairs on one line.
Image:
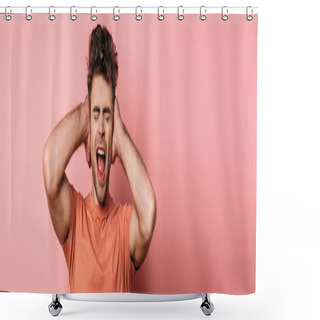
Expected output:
{"points": [[160, 16], [224, 16], [203, 16], [51, 16], [116, 17], [7, 16], [93, 16], [28, 16], [180, 16], [248, 16], [73, 17], [138, 16]]}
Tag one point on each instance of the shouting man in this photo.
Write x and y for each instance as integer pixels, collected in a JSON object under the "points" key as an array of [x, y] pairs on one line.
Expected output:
{"points": [[104, 243]]}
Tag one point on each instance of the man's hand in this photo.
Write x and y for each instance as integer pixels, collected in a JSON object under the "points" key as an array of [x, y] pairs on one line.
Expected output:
{"points": [[87, 135], [117, 127]]}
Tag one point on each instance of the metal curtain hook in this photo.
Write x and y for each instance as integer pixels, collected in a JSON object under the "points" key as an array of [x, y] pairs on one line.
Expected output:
{"points": [[116, 17], [224, 16], [73, 17], [93, 16], [138, 16], [51, 16], [249, 17], [203, 16], [7, 16], [160, 16], [28, 16], [180, 16]]}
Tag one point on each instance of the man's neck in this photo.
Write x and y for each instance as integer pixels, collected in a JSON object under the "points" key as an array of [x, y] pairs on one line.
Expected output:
{"points": [[95, 198]]}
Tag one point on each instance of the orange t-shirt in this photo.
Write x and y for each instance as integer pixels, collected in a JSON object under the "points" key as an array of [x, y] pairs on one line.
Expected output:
{"points": [[97, 247]]}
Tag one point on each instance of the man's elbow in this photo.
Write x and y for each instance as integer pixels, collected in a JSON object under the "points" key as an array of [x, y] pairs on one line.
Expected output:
{"points": [[151, 220], [48, 177], [154, 212]]}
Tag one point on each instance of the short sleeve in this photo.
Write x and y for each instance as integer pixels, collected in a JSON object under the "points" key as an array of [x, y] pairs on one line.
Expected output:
{"points": [[128, 208]]}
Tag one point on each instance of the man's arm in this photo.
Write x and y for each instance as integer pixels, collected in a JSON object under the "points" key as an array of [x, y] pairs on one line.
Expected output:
{"points": [[144, 214], [63, 141]]}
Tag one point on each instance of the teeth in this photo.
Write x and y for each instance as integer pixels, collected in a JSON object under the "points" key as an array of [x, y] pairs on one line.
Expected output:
{"points": [[100, 152]]}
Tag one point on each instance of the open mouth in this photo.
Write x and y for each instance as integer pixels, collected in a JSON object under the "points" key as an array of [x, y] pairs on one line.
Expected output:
{"points": [[101, 163]]}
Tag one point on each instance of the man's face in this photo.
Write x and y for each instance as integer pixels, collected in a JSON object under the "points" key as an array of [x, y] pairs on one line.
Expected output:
{"points": [[101, 135]]}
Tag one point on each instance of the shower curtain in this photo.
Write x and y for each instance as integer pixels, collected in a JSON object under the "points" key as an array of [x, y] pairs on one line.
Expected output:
{"points": [[186, 95]]}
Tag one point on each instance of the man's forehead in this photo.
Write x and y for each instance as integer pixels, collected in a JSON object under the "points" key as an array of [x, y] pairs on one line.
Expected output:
{"points": [[99, 78], [101, 94]]}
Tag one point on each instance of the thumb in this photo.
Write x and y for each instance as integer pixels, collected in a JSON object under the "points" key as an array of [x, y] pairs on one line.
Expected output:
{"points": [[114, 154], [88, 151], [114, 149]]}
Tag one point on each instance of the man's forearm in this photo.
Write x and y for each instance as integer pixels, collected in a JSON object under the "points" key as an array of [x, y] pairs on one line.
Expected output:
{"points": [[61, 144], [139, 181]]}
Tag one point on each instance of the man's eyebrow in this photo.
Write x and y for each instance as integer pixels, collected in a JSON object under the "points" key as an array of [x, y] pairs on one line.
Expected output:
{"points": [[96, 109], [106, 110]]}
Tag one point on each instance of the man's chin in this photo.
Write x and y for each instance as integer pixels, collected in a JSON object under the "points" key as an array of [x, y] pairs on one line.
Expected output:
{"points": [[102, 199], [100, 188], [101, 192]]}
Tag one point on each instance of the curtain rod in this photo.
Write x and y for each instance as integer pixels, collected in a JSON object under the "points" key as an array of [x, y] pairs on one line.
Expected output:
{"points": [[127, 10]]}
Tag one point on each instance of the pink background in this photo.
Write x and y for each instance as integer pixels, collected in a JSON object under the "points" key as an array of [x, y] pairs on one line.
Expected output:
{"points": [[187, 94]]}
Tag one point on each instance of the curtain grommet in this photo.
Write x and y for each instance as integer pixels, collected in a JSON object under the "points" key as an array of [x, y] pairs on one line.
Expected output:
{"points": [[93, 17], [224, 16], [7, 16], [28, 15], [160, 16], [52, 17], [73, 17], [116, 17], [203, 15], [180, 15], [138, 16], [249, 17]]}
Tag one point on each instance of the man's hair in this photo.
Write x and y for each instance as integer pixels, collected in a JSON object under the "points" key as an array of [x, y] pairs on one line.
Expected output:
{"points": [[102, 58]]}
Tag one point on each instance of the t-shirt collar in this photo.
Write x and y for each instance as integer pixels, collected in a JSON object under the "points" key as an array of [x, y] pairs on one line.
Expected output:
{"points": [[101, 211]]}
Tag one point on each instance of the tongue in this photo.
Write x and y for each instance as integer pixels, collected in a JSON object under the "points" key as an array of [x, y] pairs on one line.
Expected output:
{"points": [[100, 164]]}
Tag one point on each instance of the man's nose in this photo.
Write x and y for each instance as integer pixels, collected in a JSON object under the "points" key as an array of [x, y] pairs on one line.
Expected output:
{"points": [[101, 126]]}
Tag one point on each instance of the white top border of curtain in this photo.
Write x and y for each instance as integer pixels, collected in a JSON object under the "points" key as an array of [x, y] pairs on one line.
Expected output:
{"points": [[137, 11]]}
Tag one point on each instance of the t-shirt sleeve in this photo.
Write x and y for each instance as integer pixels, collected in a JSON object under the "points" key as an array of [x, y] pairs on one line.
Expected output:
{"points": [[128, 208], [68, 246]]}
